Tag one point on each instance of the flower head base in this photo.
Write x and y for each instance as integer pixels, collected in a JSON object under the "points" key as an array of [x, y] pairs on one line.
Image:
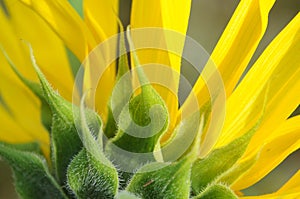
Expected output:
{"points": [[123, 135]]}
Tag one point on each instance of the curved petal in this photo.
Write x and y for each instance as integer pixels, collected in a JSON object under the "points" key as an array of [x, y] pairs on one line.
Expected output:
{"points": [[171, 15], [240, 40], [68, 25], [274, 151], [23, 119], [75, 33], [24, 24], [101, 18], [276, 70], [165, 14], [10, 131], [20, 122], [237, 44]]}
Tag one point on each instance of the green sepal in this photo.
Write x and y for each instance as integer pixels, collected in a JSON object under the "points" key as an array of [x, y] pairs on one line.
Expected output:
{"points": [[141, 123], [206, 171], [33, 147], [91, 174], [111, 125], [122, 89], [123, 65], [46, 115], [126, 195], [32, 177], [65, 142], [144, 119], [186, 139], [162, 180], [139, 107], [236, 171], [88, 177], [89, 128], [216, 191]]}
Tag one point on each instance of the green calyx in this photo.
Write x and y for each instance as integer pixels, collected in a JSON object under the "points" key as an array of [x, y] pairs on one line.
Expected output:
{"points": [[83, 164]]}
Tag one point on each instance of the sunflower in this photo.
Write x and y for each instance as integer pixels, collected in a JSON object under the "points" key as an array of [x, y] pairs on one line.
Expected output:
{"points": [[253, 135]]}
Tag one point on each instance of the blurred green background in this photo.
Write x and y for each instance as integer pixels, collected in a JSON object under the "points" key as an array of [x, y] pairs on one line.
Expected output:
{"points": [[208, 20]]}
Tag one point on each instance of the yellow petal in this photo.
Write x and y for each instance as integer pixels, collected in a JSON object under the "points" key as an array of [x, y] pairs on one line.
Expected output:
{"points": [[23, 123], [20, 121], [175, 16], [291, 190], [240, 40], [169, 15], [10, 130], [274, 151], [12, 45], [237, 44], [166, 14], [102, 86], [68, 25], [278, 69], [20, 111], [101, 18], [75, 33], [24, 24], [162, 14], [232, 54]]}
